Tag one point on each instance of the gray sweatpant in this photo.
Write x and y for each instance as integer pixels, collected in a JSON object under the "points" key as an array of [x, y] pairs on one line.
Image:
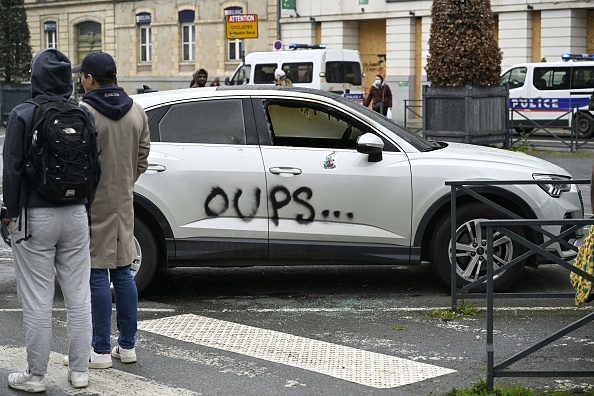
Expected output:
{"points": [[59, 246]]}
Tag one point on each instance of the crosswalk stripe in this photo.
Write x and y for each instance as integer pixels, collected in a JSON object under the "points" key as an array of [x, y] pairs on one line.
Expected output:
{"points": [[108, 382], [350, 364]]}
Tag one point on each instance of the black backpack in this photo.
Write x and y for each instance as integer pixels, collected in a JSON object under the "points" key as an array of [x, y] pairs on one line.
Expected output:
{"points": [[62, 157]]}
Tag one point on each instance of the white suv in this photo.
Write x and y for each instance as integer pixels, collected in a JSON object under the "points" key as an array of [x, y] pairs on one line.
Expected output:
{"points": [[272, 176]]}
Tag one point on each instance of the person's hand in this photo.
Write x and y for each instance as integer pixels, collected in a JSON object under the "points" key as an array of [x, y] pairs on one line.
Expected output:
{"points": [[12, 224]]}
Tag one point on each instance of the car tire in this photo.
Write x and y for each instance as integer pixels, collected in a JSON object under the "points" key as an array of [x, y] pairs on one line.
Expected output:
{"points": [[468, 217], [585, 125], [147, 255]]}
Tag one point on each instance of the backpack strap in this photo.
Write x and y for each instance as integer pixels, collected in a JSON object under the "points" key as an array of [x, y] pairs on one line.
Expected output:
{"points": [[24, 185]]}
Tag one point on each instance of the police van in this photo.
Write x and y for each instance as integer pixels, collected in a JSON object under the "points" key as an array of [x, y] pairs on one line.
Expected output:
{"points": [[306, 65], [552, 94]]}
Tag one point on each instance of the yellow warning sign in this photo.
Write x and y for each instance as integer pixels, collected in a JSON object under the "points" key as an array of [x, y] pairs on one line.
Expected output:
{"points": [[242, 26]]}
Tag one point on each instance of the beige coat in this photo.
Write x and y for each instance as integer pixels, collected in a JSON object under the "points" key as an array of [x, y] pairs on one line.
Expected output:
{"points": [[125, 146]]}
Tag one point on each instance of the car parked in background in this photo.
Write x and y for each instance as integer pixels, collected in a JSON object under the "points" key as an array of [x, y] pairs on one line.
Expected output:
{"points": [[261, 175]]}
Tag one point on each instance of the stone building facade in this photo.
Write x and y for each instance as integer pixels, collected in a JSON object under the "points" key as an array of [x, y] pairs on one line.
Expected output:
{"points": [[161, 43], [155, 43]]}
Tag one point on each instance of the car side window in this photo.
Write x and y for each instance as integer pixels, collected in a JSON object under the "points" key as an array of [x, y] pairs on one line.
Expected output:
{"points": [[299, 72], [264, 73], [582, 77], [207, 121], [551, 78], [515, 77], [302, 126]]}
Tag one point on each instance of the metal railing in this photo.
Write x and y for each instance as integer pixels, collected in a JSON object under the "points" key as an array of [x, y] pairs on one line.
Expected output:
{"points": [[413, 119], [502, 368], [569, 227], [532, 126], [413, 108]]}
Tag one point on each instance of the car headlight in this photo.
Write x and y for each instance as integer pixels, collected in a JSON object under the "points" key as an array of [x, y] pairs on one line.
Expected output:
{"points": [[553, 189]]}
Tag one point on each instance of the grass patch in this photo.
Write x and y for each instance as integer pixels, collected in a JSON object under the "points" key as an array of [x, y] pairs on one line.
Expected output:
{"points": [[397, 328], [480, 389], [463, 310]]}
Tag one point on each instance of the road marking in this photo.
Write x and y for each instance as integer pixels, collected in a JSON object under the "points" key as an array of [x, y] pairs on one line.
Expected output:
{"points": [[354, 365], [113, 310], [109, 382]]}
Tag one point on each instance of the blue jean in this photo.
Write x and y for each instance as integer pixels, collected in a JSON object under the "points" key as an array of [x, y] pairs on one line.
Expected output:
{"points": [[126, 307]]}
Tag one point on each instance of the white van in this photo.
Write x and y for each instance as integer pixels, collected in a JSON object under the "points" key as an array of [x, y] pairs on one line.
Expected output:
{"points": [[307, 65], [551, 94]]}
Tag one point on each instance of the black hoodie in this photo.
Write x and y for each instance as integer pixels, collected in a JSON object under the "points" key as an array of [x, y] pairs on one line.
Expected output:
{"points": [[51, 78]]}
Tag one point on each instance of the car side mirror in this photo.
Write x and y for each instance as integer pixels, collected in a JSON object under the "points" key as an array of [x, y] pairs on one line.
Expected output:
{"points": [[227, 82], [372, 145]]}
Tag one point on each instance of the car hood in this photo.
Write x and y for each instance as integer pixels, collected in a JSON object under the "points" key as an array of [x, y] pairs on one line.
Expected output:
{"points": [[499, 158]]}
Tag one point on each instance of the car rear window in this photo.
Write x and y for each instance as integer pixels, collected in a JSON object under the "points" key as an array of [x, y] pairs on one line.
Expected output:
{"points": [[264, 73], [212, 121], [344, 73], [300, 72]]}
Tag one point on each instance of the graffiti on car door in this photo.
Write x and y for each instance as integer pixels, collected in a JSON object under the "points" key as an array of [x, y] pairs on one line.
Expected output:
{"points": [[218, 202]]}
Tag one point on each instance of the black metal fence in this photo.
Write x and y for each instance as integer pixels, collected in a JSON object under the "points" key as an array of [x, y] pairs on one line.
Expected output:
{"points": [[10, 96], [528, 128], [504, 227], [520, 128]]}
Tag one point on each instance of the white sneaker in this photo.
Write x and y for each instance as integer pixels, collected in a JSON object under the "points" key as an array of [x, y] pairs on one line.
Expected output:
{"points": [[96, 361], [78, 379], [26, 381], [125, 355]]}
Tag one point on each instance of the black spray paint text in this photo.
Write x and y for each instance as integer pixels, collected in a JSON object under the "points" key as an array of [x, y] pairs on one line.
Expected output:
{"points": [[278, 197]]}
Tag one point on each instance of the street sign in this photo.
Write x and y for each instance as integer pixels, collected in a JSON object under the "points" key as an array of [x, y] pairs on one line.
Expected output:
{"points": [[242, 26], [278, 45]]}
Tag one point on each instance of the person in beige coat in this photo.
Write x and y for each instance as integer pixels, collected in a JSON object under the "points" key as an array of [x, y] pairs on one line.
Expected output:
{"points": [[124, 141]]}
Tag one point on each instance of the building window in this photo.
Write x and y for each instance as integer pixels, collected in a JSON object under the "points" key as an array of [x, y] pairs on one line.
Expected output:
{"points": [[88, 40], [50, 34], [188, 34], [188, 42], [50, 40], [143, 20], [235, 49], [145, 44]]}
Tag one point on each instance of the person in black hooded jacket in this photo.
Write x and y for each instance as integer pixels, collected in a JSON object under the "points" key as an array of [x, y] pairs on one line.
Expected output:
{"points": [[58, 245]]}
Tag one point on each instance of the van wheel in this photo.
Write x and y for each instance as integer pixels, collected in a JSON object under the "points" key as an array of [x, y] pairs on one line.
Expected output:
{"points": [[585, 125]]}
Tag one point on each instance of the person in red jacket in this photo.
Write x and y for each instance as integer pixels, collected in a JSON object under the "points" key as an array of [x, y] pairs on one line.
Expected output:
{"points": [[380, 96]]}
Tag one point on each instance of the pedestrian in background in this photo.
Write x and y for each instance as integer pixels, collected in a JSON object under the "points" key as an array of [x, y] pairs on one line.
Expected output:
{"points": [[124, 140], [199, 79], [216, 82], [280, 78], [380, 96], [58, 245]]}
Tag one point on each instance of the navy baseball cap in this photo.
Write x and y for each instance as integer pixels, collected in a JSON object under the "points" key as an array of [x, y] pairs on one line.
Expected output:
{"points": [[97, 64]]}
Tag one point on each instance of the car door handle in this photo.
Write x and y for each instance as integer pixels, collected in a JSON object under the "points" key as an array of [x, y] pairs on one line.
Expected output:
{"points": [[156, 168], [285, 171]]}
